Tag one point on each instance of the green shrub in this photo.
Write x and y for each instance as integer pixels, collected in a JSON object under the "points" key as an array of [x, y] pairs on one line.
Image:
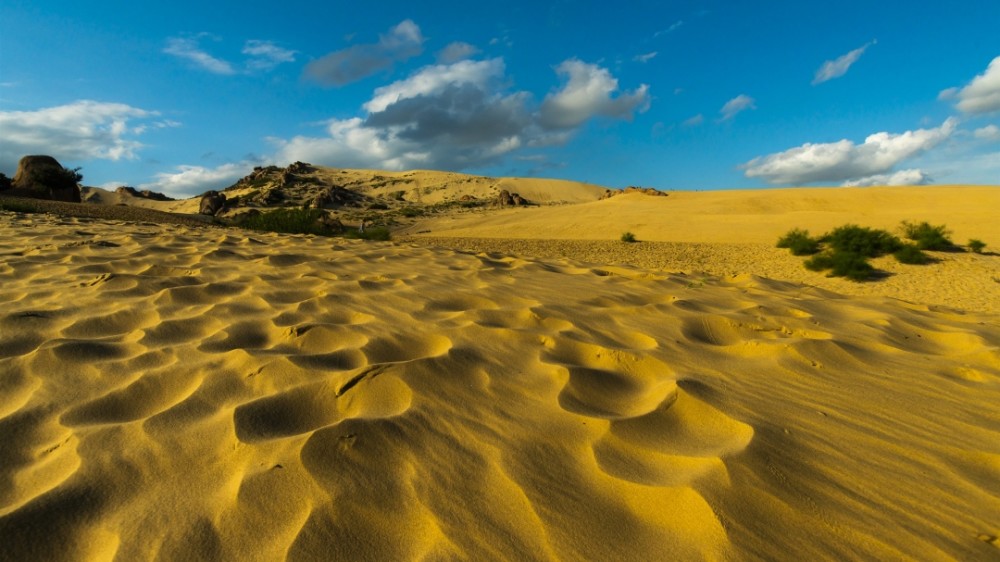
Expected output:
{"points": [[799, 242], [411, 212], [863, 241], [287, 221], [927, 236], [911, 255], [977, 246], [851, 265], [371, 233], [628, 237]]}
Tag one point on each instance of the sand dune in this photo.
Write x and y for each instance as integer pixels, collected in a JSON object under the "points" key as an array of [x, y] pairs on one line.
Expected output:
{"points": [[177, 393]]}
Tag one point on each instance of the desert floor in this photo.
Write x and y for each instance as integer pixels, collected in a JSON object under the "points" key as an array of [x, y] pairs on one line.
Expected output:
{"points": [[185, 393]]}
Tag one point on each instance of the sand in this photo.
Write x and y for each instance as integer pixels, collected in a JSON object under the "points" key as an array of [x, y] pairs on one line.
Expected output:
{"points": [[182, 393]]}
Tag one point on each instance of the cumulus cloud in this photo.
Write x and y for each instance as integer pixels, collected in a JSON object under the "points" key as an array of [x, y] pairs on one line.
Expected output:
{"points": [[192, 180], [359, 61], [839, 66], [82, 130], [844, 160], [981, 95], [455, 52], [734, 106], [188, 48], [451, 116], [589, 92], [902, 177], [988, 133], [266, 55]]}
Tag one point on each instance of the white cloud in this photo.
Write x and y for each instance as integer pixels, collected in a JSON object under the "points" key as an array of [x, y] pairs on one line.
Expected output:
{"points": [[266, 55], [588, 93], [457, 116], [981, 95], [902, 177], [645, 58], [988, 133], [455, 52], [844, 160], [82, 130], [433, 79], [188, 48], [839, 66], [740, 103], [673, 27], [193, 180], [342, 67], [694, 121]]}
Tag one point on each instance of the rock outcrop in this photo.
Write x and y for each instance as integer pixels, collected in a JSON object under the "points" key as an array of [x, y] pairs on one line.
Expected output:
{"points": [[609, 193], [212, 202], [43, 177], [144, 194], [508, 199]]}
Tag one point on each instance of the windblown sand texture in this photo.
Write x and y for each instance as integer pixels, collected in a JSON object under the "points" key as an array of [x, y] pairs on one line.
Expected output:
{"points": [[176, 393]]}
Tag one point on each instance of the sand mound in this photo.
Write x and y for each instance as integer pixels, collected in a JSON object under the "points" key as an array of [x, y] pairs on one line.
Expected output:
{"points": [[192, 394]]}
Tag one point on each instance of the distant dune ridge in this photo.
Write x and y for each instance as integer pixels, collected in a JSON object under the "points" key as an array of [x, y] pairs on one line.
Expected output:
{"points": [[170, 391]]}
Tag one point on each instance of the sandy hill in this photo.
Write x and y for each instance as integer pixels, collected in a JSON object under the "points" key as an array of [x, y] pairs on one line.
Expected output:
{"points": [[740, 215]]}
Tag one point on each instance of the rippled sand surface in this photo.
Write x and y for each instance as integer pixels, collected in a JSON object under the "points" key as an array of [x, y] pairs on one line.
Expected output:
{"points": [[171, 392]]}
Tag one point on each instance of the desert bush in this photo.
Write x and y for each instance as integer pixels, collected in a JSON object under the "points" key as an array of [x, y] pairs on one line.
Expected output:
{"points": [[841, 263], [411, 212], [912, 255], [371, 233], [5, 182], [927, 236], [863, 241], [977, 246], [628, 237], [799, 242], [287, 221]]}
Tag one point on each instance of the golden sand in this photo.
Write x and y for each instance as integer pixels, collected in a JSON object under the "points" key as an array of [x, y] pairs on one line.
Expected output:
{"points": [[169, 392]]}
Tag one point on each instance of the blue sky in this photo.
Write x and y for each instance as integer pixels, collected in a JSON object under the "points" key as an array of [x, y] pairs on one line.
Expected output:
{"points": [[185, 96]]}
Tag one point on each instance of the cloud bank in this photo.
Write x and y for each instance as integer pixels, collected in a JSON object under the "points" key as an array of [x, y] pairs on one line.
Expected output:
{"points": [[463, 115], [845, 161], [82, 130], [338, 68], [981, 95]]}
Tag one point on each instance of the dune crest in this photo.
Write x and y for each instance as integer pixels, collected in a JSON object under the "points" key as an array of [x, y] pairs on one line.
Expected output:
{"points": [[180, 393]]}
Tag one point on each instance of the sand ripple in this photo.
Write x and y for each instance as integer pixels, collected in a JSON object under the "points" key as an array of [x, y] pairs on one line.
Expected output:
{"points": [[174, 393]]}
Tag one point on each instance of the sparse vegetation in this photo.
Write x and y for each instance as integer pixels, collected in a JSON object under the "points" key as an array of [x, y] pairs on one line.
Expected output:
{"points": [[841, 263], [371, 233], [287, 221], [927, 236], [15, 205], [411, 211], [799, 242], [863, 241], [628, 237], [977, 246], [910, 254]]}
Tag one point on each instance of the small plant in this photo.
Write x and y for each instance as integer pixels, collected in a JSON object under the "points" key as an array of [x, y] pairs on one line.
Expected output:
{"points": [[851, 265], [912, 255], [371, 233], [799, 242], [863, 241], [977, 246], [628, 237], [287, 221], [927, 236]]}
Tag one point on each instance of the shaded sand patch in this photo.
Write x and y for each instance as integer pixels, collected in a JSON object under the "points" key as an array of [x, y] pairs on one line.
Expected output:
{"points": [[221, 396]]}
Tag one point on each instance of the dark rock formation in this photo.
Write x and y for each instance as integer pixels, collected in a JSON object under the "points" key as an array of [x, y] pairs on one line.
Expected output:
{"points": [[212, 202], [609, 193], [507, 198], [144, 194], [42, 177]]}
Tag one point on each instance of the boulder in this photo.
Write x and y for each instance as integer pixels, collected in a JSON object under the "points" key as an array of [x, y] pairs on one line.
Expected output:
{"points": [[212, 202], [43, 177]]}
